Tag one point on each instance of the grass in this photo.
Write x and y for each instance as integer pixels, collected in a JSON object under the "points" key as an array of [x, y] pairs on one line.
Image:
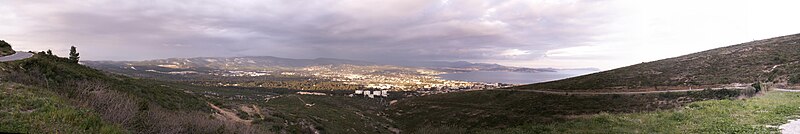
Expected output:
{"points": [[148, 106], [330, 114], [50, 71], [33, 110], [481, 110], [712, 116]]}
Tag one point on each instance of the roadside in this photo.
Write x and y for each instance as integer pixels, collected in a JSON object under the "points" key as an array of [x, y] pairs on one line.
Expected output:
{"points": [[16, 56], [793, 127]]}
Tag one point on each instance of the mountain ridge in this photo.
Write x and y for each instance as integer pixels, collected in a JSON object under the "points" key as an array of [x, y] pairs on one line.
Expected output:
{"points": [[279, 62]]}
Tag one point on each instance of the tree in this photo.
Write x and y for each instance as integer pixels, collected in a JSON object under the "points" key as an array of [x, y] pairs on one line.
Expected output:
{"points": [[49, 52], [73, 54]]}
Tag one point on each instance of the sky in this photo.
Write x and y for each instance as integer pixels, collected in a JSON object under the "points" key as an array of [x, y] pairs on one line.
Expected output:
{"points": [[603, 34]]}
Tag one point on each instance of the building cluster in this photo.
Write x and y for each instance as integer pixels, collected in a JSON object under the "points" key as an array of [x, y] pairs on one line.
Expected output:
{"points": [[377, 78], [372, 93], [380, 86]]}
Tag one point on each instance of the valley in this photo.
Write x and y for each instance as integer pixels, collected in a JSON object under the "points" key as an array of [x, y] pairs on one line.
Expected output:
{"points": [[184, 96], [302, 74], [399, 67]]}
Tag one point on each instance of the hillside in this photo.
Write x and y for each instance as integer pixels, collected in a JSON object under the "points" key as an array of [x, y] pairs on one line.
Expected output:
{"points": [[469, 112], [769, 60], [5, 48], [46, 89], [28, 109], [79, 95]]}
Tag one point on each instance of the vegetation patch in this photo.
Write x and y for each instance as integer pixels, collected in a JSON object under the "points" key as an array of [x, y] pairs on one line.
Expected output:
{"points": [[136, 105], [480, 110], [712, 116], [5, 48], [329, 114], [33, 110]]}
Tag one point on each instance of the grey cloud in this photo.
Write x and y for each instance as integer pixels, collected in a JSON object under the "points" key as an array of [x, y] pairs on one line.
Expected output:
{"points": [[354, 29]]}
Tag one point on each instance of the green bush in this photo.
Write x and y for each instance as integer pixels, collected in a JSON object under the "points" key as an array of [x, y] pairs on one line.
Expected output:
{"points": [[5, 48], [794, 79]]}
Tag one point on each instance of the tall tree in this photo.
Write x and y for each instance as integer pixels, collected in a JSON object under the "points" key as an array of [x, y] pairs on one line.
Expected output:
{"points": [[73, 54]]}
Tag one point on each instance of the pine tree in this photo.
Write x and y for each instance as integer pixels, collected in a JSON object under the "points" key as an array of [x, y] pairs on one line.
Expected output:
{"points": [[73, 54]]}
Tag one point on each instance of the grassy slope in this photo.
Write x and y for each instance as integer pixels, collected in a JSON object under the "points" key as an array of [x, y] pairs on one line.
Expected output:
{"points": [[331, 114], [44, 70], [150, 99], [479, 110], [742, 63], [714, 116], [25, 109]]}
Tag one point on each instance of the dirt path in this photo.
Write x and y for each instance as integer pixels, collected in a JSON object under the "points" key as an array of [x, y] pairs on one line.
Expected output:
{"points": [[607, 93], [229, 115]]}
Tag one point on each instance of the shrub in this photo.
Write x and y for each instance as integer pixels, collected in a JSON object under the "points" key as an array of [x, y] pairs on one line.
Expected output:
{"points": [[794, 79]]}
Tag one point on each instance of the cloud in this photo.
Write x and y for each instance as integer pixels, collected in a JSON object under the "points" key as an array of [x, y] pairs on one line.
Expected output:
{"points": [[514, 52], [354, 29]]}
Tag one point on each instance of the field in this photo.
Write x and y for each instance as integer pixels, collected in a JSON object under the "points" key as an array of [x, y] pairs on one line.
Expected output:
{"points": [[482, 110], [756, 115], [332, 114], [283, 111]]}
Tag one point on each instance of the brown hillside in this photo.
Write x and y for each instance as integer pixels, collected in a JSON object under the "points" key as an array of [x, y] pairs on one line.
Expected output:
{"points": [[769, 60]]}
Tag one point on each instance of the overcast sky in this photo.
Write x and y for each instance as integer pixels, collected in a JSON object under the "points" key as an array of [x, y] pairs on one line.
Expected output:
{"points": [[604, 34]]}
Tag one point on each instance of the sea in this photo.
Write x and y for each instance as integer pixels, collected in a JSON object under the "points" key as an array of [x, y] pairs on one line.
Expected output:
{"points": [[514, 77]]}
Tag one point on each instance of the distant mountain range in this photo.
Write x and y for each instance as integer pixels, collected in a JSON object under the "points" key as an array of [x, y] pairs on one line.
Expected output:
{"points": [[464, 66], [269, 62], [774, 60]]}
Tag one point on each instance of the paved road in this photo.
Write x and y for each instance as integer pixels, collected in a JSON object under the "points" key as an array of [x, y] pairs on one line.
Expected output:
{"points": [[793, 127], [606, 93], [16, 56]]}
